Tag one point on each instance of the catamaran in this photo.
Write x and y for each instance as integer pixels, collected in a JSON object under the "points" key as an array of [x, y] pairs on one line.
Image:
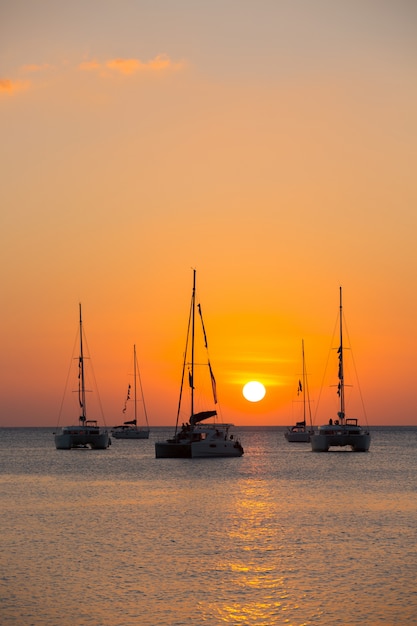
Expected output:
{"points": [[196, 437], [343, 431], [300, 432], [130, 429], [87, 433]]}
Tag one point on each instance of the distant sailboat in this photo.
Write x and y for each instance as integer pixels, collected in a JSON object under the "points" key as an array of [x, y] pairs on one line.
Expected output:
{"points": [[301, 432], [130, 428], [87, 433], [343, 431], [197, 438]]}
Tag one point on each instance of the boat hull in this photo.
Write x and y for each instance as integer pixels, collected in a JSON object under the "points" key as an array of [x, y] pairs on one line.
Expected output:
{"points": [[130, 434], [172, 450], [197, 449], [66, 441], [217, 449], [302, 437], [357, 442]]}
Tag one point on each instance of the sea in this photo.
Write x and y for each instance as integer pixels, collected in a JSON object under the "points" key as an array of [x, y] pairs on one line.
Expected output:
{"points": [[281, 535]]}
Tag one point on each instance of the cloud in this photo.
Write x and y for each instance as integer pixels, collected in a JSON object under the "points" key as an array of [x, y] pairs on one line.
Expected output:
{"points": [[125, 66], [133, 66], [34, 67], [89, 65], [12, 86], [160, 63]]}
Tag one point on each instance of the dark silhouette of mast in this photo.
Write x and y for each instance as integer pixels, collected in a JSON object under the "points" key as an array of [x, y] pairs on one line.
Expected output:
{"points": [[341, 386], [192, 344], [81, 381]]}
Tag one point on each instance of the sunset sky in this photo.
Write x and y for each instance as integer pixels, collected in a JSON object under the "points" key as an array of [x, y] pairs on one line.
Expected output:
{"points": [[269, 144]]}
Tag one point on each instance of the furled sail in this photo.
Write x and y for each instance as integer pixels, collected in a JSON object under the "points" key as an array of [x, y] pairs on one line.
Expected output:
{"points": [[203, 415]]}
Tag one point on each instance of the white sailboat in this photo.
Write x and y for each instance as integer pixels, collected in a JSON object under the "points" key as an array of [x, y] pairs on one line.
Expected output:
{"points": [[300, 432], [198, 438], [87, 433], [130, 429], [343, 431]]}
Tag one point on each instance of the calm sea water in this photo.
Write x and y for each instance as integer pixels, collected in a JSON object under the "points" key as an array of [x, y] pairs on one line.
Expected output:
{"points": [[279, 536]]}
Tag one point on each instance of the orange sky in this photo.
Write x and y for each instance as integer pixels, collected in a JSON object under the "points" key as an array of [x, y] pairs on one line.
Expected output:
{"points": [[272, 146]]}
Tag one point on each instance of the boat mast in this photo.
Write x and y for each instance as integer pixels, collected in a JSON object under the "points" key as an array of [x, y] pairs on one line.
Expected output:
{"points": [[81, 382], [304, 384], [184, 364], [341, 386], [134, 381], [192, 343]]}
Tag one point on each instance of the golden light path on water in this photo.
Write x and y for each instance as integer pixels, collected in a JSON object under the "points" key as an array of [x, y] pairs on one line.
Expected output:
{"points": [[247, 573], [257, 571]]}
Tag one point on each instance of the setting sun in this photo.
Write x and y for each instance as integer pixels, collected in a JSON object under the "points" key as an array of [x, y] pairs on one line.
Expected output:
{"points": [[254, 391]]}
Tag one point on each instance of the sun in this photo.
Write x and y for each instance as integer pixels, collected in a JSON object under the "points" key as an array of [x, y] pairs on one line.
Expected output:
{"points": [[254, 391]]}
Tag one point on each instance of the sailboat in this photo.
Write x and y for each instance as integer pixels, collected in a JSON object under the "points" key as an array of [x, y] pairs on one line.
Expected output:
{"points": [[130, 428], [196, 437], [300, 432], [87, 433], [343, 431]]}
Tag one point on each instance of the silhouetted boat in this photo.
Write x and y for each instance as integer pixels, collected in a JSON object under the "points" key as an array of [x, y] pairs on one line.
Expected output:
{"points": [[87, 433], [197, 438], [301, 432], [130, 428], [343, 431]]}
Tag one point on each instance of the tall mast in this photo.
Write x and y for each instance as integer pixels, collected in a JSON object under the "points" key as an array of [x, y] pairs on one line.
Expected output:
{"points": [[304, 383], [341, 387], [192, 343], [134, 381], [81, 382]]}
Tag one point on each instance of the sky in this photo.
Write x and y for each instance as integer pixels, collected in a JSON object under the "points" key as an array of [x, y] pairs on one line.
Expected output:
{"points": [[269, 145]]}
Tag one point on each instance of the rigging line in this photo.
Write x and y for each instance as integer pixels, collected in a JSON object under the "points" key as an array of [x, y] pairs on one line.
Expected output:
{"points": [[68, 375], [141, 390], [208, 364], [356, 374], [307, 391], [94, 379], [326, 366], [184, 366], [202, 325]]}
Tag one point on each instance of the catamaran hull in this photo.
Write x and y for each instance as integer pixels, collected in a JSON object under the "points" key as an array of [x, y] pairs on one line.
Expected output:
{"points": [[297, 437], [138, 434], [196, 450], [174, 450], [218, 449], [68, 441], [358, 443]]}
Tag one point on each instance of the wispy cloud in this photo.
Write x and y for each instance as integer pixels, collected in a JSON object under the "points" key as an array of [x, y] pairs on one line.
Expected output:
{"points": [[104, 69], [89, 66], [133, 66], [35, 67], [12, 86], [125, 66]]}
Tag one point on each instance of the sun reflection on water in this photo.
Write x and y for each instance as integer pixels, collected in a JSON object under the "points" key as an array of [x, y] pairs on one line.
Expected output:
{"points": [[256, 570]]}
